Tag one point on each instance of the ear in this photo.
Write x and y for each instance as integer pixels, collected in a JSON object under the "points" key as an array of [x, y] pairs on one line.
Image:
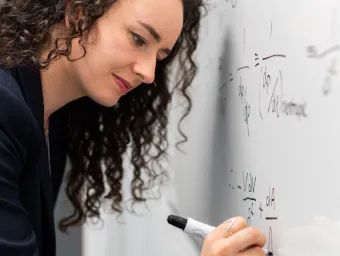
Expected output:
{"points": [[77, 13], [67, 22]]}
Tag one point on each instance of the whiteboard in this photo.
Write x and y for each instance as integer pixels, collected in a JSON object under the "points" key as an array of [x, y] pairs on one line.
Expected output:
{"points": [[264, 139]]}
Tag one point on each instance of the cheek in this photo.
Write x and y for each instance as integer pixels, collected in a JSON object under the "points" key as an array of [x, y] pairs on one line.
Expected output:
{"points": [[102, 58], [101, 88], [108, 54]]}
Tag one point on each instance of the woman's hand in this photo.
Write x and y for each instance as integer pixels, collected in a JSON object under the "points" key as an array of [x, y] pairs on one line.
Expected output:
{"points": [[234, 238]]}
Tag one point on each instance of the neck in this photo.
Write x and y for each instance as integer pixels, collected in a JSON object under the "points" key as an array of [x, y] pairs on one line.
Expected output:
{"points": [[59, 84], [59, 87]]}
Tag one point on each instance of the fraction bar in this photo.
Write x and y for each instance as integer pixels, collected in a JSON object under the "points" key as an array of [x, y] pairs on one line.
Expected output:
{"points": [[271, 218]]}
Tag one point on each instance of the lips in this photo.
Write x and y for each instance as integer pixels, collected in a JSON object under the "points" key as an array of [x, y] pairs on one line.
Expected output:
{"points": [[123, 85]]}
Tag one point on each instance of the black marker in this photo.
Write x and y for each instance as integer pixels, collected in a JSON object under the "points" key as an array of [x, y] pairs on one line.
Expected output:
{"points": [[196, 228]]}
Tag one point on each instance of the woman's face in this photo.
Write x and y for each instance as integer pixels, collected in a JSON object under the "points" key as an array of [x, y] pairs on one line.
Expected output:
{"points": [[124, 45]]}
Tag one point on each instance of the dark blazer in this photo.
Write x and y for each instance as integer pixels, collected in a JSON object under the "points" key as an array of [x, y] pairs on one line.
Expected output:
{"points": [[27, 189]]}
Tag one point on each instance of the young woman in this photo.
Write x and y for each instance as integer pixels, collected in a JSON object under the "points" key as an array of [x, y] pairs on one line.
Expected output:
{"points": [[89, 80]]}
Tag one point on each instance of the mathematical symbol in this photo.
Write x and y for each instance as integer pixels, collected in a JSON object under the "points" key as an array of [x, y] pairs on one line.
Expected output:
{"points": [[233, 3], [249, 198], [222, 86], [274, 55], [270, 241], [271, 218], [240, 68], [256, 59], [231, 77], [332, 69], [312, 51], [261, 210], [271, 99], [327, 86]]}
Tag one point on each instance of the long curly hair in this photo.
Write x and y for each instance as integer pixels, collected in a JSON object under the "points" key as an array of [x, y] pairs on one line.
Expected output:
{"points": [[99, 137]]}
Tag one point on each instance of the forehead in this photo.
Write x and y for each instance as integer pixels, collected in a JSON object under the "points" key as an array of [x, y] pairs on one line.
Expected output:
{"points": [[166, 16]]}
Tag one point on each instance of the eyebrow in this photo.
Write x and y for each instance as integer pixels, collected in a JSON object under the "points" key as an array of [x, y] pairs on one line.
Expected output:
{"points": [[154, 34]]}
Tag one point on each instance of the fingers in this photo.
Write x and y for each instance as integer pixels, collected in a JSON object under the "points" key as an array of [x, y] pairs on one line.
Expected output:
{"points": [[248, 241], [234, 237], [245, 238], [255, 251], [228, 228]]}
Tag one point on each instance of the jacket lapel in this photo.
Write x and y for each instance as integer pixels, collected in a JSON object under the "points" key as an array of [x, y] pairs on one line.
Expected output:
{"points": [[30, 83]]}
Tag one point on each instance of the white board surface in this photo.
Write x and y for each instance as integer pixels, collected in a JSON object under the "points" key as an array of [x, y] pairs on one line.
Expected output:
{"points": [[264, 132]]}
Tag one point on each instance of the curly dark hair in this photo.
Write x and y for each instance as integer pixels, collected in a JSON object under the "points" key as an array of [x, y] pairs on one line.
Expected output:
{"points": [[98, 136]]}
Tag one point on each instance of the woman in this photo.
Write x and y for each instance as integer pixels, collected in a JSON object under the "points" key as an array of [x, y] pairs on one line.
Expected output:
{"points": [[88, 79]]}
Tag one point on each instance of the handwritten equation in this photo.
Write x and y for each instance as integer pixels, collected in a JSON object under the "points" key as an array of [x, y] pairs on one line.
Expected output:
{"points": [[271, 99], [314, 53], [271, 96], [255, 206], [260, 207], [331, 70], [246, 108], [233, 3], [215, 5]]}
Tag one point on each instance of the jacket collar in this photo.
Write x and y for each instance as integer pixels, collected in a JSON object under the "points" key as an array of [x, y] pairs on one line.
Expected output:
{"points": [[29, 82]]}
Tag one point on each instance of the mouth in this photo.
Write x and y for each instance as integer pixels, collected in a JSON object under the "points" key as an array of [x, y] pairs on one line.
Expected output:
{"points": [[123, 85]]}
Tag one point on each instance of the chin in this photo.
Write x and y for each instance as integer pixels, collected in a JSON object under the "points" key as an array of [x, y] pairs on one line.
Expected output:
{"points": [[106, 101]]}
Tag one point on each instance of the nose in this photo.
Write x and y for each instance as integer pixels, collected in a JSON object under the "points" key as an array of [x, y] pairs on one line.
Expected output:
{"points": [[145, 67]]}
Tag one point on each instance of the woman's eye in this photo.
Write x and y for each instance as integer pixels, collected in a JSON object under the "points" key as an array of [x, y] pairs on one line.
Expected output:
{"points": [[138, 40]]}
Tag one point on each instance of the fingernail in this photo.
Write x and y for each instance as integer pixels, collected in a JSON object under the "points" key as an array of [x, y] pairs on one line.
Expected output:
{"points": [[232, 223], [230, 226], [230, 220]]}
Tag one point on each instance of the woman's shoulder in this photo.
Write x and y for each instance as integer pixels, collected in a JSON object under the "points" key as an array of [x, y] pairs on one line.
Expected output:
{"points": [[10, 92], [14, 113], [16, 122]]}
